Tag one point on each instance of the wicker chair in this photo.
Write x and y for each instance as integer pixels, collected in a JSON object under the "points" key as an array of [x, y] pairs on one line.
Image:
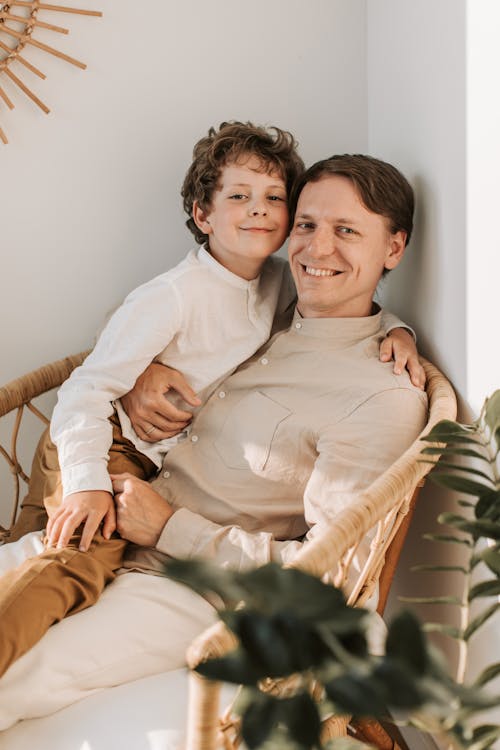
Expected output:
{"points": [[387, 505]]}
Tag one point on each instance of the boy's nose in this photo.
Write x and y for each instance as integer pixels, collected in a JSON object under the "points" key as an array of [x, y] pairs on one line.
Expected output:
{"points": [[258, 208]]}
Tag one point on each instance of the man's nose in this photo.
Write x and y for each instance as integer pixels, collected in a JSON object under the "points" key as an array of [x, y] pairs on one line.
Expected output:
{"points": [[321, 244]]}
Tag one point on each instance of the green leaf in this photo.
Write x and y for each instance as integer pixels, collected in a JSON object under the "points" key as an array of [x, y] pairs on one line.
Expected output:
{"points": [[491, 556], [203, 577], [262, 641], [489, 505], [448, 539], [465, 469], [438, 627], [446, 429], [406, 644], [492, 411], [479, 528], [485, 588], [236, 668], [480, 620], [487, 675], [447, 451], [441, 568], [356, 694], [301, 717], [487, 738], [431, 599], [398, 684], [460, 484], [259, 719]]}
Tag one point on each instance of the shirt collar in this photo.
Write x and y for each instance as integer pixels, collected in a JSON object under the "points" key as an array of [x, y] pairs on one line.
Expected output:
{"points": [[338, 330], [206, 259]]}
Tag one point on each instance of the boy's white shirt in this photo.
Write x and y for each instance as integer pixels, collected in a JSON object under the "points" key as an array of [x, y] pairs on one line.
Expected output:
{"points": [[198, 318]]}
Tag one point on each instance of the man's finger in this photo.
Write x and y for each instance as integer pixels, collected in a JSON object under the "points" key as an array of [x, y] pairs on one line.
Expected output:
{"points": [[399, 365], [168, 411], [417, 372], [183, 388], [118, 481], [385, 352]]}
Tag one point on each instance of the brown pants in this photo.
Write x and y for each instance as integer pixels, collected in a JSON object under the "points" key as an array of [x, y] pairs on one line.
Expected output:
{"points": [[58, 582]]}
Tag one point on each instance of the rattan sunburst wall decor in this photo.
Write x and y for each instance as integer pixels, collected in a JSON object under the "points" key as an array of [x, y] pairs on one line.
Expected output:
{"points": [[19, 20]]}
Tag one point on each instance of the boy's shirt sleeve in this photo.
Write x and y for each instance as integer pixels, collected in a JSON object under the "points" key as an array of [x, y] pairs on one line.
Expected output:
{"points": [[390, 321], [135, 334]]}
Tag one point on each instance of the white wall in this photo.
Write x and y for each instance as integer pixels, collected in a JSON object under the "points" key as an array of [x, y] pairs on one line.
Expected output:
{"points": [[483, 166], [90, 202], [416, 101], [90, 194], [432, 70]]}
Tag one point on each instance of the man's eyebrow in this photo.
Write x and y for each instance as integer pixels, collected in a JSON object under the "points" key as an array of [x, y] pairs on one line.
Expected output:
{"points": [[353, 222]]}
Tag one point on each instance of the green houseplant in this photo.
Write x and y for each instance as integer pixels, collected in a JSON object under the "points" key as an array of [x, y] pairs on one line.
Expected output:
{"points": [[296, 628]]}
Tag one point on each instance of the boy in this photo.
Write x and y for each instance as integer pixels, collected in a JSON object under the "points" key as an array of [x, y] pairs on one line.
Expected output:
{"points": [[207, 315]]}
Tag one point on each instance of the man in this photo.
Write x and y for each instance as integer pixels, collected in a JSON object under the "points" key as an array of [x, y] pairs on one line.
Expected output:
{"points": [[279, 448]]}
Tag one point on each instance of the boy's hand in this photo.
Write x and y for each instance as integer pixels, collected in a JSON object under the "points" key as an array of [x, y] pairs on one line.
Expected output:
{"points": [[399, 345], [91, 508], [153, 417]]}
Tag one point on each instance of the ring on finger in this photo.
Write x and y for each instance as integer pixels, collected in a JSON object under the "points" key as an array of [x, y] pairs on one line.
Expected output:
{"points": [[148, 432]]}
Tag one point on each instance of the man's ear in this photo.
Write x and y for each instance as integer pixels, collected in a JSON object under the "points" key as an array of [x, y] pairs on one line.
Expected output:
{"points": [[397, 245], [200, 218]]}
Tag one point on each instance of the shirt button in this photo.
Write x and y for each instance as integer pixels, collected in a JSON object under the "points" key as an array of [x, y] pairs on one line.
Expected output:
{"points": [[166, 474], [194, 438], [264, 361], [298, 325], [222, 394]]}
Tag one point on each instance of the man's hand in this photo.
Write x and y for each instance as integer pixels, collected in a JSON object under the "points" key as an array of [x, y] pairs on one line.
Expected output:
{"points": [[399, 345], [153, 417], [90, 507], [140, 511]]}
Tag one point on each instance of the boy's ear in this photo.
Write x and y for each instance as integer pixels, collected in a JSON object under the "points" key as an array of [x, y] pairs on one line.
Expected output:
{"points": [[200, 218], [396, 249]]}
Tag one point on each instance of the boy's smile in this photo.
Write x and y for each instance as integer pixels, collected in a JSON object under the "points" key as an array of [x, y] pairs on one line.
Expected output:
{"points": [[248, 218]]}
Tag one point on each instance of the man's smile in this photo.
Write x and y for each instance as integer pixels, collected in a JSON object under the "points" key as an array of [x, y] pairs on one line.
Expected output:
{"points": [[311, 271]]}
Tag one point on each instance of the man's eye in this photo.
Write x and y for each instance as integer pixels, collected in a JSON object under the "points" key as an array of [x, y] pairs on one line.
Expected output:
{"points": [[304, 225], [345, 230]]}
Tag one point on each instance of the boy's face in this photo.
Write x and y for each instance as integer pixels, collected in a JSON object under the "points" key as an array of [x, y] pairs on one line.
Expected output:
{"points": [[248, 218]]}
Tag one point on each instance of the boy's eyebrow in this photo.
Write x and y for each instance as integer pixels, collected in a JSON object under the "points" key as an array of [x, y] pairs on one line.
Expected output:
{"points": [[247, 184]]}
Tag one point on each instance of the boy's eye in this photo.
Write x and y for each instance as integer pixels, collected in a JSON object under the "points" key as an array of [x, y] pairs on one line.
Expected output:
{"points": [[237, 196], [277, 198]]}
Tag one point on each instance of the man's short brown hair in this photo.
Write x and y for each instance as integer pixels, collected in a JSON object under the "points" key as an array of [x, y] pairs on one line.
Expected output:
{"points": [[232, 141], [381, 187]]}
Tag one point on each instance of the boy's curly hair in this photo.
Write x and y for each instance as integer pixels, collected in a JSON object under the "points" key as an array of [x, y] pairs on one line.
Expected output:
{"points": [[275, 148]]}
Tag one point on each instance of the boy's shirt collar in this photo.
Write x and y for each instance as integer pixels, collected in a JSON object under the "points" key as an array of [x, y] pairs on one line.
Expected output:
{"points": [[207, 259]]}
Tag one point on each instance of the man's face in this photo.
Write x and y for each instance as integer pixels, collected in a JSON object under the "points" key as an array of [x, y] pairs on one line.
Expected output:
{"points": [[338, 250]]}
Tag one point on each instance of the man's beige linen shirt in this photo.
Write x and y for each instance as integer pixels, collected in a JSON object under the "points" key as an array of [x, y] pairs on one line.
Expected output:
{"points": [[284, 444]]}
